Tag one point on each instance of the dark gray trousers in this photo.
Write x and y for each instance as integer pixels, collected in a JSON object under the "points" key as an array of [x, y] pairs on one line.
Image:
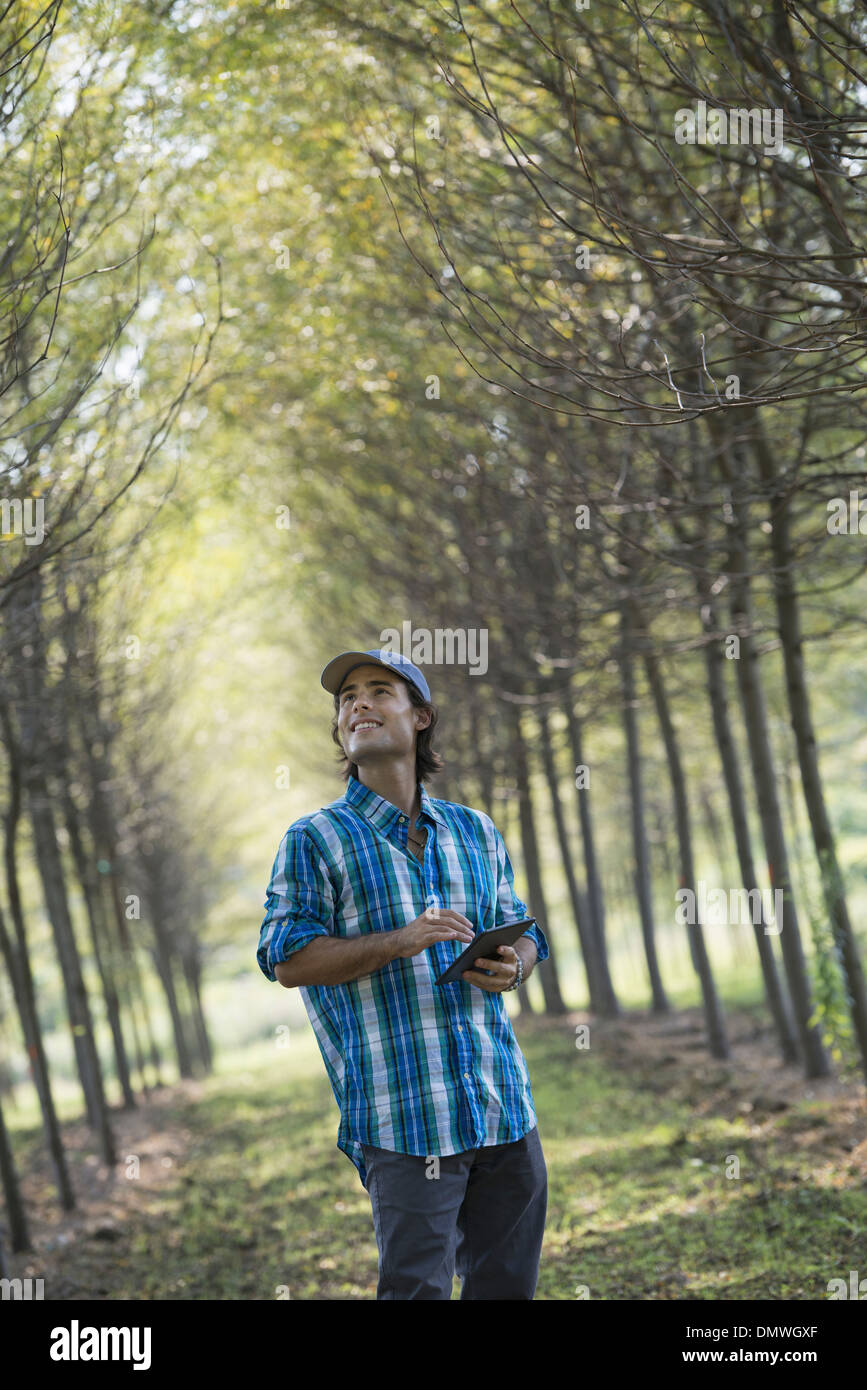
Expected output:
{"points": [[483, 1217]]}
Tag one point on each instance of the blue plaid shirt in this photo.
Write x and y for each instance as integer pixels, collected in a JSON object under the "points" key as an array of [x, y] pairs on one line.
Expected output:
{"points": [[415, 1067]]}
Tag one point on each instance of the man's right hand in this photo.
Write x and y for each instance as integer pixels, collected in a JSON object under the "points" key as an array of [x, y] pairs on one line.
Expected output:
{"points": [[442, 924]]}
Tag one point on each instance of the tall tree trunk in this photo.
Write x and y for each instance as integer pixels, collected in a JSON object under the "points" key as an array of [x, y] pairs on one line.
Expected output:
{"points": [[716, 1029], [793, 821], [547, 969], [16, 1217], [18, 965], [609, 1004], [815, 1057], [96, 741], [789, 621], [717, 835], [576, 897], [132, 987], [660, 841], [104, 840], [163, 956], [192, 974], [81, 1023], [640, 850], [777, 1001], [165, 970], [136, 992], [101, 947], [599, 984], [34, 740], [79, 699], [17, 957], [504, 825], [483, 769]]}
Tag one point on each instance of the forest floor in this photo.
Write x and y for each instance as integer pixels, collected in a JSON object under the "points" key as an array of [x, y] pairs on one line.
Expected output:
{"points": [[671, 1176]]}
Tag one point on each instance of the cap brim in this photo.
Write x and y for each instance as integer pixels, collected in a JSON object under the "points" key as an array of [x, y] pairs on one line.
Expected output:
{"points": [[336, 671]]}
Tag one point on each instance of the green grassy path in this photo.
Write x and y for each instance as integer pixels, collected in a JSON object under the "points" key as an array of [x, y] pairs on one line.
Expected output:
{"points": [[258, 1198]]}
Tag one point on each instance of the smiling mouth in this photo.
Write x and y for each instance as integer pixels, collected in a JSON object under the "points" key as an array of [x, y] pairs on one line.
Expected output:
{"points": [[366, 724]]}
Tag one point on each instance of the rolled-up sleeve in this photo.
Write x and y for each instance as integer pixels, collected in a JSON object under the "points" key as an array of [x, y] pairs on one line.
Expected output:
{"points": [[300, 903], [510, 908]]}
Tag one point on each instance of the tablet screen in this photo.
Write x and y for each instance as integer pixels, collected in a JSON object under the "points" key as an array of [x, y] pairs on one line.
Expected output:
{"points": [[485, 944]]}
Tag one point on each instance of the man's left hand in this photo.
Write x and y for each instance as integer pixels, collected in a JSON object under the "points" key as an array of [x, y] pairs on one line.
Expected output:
{"points": [[504, 971]]}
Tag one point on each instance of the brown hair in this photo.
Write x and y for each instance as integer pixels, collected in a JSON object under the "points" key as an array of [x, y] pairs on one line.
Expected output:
{"points": [[427, 762]]}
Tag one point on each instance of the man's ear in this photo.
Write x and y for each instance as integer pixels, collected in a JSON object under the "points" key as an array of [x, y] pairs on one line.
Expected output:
{"points": [[424, 714]]}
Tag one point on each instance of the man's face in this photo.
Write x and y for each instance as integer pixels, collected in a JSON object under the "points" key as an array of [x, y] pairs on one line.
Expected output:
{"points": [[375, 717]]}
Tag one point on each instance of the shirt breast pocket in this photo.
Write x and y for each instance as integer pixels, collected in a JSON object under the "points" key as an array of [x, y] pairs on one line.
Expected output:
{"points": [[476, 885]]}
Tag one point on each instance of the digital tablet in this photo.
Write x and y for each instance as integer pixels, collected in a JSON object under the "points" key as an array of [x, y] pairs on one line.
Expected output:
{"points": [[485, 944]]}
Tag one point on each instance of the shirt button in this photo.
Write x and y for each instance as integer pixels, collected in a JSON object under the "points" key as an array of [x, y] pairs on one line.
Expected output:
{"points": [[460, 1029], [467, 1075]]}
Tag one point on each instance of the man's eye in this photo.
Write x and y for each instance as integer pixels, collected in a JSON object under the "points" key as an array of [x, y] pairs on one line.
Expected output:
{"points": [[377, 690]]}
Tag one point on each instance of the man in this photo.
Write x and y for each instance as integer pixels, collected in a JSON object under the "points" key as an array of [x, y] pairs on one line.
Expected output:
{"points": [[371, 898]]}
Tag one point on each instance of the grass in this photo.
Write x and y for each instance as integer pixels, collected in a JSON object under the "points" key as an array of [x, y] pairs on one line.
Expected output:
{"points": [[641, 1205], [259, 1203]]}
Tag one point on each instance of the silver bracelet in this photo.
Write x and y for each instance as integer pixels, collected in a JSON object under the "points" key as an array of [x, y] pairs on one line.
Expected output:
{"points": [[520, 976]]}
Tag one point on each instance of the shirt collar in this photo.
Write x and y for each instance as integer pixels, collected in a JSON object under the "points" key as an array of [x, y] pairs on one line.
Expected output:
{"points": [[384, 814]]}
